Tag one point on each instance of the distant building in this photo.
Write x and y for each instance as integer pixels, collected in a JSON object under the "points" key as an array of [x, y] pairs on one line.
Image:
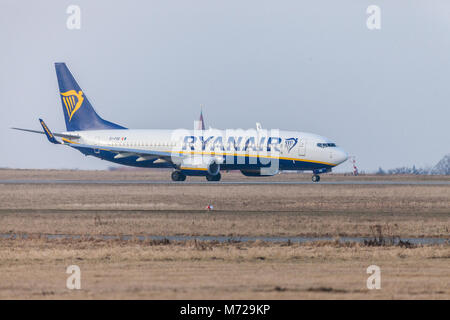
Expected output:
{"points": [[201, 122]]}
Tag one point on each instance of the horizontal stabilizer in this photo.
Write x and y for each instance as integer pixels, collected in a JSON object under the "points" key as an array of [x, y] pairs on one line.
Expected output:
{"points": [[61, 135]]}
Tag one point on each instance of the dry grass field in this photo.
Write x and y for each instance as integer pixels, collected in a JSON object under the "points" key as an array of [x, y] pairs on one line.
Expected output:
{"points": [[35, 267]]}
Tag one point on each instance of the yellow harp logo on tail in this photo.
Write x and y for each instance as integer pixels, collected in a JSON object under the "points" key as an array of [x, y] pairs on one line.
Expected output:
{"points": [[72, 100]]}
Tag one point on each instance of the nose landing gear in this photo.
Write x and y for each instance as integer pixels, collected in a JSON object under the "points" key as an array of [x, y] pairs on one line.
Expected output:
{"points": [[315, 178]]}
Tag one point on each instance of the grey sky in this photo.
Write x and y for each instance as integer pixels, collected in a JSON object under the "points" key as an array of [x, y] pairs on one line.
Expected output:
{"points": [[297, 65]]}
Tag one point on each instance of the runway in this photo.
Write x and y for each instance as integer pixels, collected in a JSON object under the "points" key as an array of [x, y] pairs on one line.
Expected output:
{"points": [[168, 182]]}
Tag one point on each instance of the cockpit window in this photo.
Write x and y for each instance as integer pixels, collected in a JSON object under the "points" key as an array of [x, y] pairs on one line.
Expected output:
{"points": [[326, 145]]}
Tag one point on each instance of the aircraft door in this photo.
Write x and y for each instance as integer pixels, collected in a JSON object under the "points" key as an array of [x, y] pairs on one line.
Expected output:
{"points": [[301, 146]]}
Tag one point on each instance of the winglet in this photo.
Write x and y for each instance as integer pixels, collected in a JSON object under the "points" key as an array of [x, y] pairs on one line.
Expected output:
{"points": [[48, 133]]}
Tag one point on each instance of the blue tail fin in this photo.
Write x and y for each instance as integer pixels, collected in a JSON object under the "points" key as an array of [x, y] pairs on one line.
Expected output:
{"points": [[77, 109]]}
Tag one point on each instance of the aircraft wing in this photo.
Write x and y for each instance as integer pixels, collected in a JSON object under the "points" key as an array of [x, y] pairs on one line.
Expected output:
{"points": [[143, 155], [173, 157]]}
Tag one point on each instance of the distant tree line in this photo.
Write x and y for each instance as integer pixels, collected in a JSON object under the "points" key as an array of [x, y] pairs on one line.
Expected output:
{"points": [[442, 167]]}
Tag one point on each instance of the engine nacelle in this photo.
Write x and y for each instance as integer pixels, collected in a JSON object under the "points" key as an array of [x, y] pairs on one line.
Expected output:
{"points": [[200, 166], [257, 172]]}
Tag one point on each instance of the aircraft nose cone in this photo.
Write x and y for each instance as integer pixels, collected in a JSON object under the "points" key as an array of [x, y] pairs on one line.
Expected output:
{"points": [[340, 156]]}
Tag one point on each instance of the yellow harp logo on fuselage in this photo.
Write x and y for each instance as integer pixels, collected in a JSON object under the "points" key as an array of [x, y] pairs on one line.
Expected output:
{"points": [[72, 101]]}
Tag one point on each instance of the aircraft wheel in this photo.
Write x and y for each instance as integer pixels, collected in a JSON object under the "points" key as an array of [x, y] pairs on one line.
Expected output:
{"points": [[316, 178], [178, 176], [213, 178]]}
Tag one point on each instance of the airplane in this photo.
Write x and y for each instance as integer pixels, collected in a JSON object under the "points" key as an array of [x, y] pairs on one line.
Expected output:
{"points": [[199, 152]]}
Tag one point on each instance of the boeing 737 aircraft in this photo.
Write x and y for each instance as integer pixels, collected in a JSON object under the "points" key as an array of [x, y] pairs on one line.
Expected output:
{"points": [[198, 152]]}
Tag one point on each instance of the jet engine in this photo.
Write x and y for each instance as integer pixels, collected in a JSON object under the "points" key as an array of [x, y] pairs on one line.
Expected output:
{"points": [[258, 173]]}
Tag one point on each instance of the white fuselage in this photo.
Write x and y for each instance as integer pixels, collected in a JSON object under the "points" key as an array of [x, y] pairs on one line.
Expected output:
{"points": [[294, 150]]}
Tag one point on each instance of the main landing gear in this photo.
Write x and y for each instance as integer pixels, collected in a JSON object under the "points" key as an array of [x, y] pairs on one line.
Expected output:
{"points": [[178, 176], [214, 178], [315, 178]]}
